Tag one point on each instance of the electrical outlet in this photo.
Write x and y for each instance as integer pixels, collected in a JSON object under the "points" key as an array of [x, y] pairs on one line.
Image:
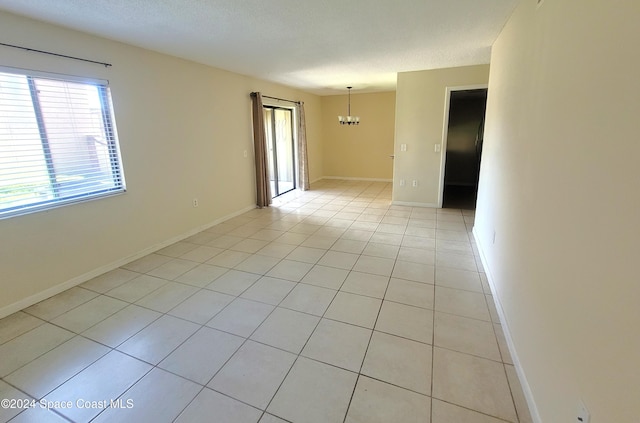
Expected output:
{"points": [[401, 182], [195, 202], [583, 414], [415, 183]]}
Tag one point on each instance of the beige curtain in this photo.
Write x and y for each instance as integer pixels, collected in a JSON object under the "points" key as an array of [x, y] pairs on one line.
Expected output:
{"points": [[303, 162], [263, 190]]}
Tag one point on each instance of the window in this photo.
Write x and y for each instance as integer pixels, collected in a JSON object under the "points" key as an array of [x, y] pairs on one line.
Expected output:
{"points": [[58, 141]]}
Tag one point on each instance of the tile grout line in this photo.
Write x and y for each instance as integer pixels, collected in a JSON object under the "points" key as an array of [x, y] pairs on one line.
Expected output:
{"points": [[433, 333], [359, 374], [307, 341]]}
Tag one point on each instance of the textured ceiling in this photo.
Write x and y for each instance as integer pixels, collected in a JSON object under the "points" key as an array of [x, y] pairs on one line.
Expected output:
{"points": [[320, 46]]}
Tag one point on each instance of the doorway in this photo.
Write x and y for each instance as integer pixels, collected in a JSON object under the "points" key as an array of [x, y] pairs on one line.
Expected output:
{"points": [[463, 147], [278, 122]]}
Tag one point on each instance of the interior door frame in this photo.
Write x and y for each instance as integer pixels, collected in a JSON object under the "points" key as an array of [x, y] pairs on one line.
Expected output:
{"points": [[445, 131], [294, 140]]}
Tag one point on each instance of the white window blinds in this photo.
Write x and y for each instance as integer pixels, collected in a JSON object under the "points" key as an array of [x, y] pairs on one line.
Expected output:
{"points": [[58, 142]]}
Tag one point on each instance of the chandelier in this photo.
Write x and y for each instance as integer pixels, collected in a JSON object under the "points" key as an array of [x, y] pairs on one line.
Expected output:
{"points": [[349, 120]]}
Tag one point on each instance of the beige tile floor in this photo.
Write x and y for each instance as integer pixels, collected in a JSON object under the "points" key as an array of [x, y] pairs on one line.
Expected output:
{"points": [[330, 306]]}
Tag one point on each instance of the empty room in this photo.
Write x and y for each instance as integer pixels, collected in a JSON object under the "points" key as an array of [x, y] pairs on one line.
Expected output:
{"points": [[318, 212]]}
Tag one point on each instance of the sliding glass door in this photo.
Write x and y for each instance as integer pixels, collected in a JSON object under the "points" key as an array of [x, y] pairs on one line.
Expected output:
{"points": [[278, 124]]}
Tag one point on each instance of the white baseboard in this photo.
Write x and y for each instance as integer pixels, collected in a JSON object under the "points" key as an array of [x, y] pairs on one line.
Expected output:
{"points": [[526, 389], [54, 290], [414, 204], [349, 178]]}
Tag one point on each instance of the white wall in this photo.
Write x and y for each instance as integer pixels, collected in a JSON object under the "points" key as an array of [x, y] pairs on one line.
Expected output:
{"points": [[182, 128], [420, 113], [560, 186]]}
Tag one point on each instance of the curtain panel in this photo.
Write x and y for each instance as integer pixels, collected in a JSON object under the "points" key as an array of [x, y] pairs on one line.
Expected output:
{"points": [[303, 162], [263, 190]]}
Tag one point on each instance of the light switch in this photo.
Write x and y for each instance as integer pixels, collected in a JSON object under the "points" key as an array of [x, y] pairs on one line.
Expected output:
{"points": [[437, 148], [403, 147]]}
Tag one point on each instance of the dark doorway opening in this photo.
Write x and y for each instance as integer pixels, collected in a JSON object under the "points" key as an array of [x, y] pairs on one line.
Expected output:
{"points": [[464, 148]]}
